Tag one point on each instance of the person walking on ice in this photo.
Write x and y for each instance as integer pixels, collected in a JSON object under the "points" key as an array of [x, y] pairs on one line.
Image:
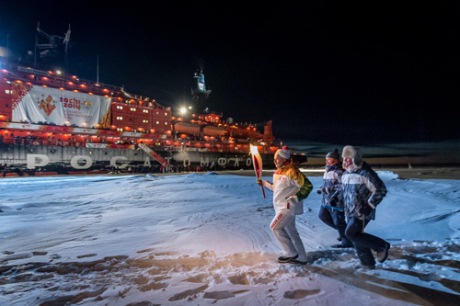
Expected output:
{"points": [[290, 187], [331, 211], [362, 191]]}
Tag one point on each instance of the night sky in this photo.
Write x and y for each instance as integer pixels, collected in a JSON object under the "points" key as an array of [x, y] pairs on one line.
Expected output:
{"points": [[367, 72]]}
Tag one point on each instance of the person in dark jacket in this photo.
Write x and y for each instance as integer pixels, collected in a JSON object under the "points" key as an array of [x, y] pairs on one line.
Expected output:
{"points": [[333, 214], [362, 191]]}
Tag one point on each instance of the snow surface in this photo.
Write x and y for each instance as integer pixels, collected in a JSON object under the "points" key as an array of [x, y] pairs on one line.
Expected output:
{"points": [[202, 239]]}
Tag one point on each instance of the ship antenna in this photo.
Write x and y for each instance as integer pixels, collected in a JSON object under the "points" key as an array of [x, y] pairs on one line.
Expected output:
{"points": [[36, 44], [97, 69], [66, 41]]}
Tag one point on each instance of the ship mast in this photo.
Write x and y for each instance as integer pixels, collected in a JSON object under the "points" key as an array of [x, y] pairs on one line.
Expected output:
{"points": [[199, 92], [97, 69]]}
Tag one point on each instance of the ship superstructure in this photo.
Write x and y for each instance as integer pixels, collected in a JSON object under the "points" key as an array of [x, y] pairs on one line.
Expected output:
{"points": [[60, 123]]}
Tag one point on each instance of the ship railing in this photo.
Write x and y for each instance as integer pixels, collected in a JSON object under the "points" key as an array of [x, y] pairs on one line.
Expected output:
{"points": [[47, 79], [38, 77], [88, 86], [100, 85]]}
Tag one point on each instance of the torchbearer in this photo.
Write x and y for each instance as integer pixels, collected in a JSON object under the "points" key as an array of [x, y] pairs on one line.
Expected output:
{"points": [[290, 187]]}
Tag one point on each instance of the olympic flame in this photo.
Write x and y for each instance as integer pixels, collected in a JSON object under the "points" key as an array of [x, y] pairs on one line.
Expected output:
{"points": [[257, 163]]}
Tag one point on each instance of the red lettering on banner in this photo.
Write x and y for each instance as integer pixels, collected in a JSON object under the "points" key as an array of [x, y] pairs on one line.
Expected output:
{"points": [[70, 103]]}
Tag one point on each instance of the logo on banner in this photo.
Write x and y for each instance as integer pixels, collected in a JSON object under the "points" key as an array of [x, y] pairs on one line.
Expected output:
{"points": [[48, 105]]}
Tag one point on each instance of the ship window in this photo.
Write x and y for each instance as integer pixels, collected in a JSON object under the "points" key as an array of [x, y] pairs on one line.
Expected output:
{"points": [[158, 122], [166, 114], [146, 111], [145, 121], [120, 118], [166, 123], [119, 107], [133, 109]]}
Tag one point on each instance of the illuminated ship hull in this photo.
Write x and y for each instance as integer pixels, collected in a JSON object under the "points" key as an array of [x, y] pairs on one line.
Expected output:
{"points": [[51, 124]]}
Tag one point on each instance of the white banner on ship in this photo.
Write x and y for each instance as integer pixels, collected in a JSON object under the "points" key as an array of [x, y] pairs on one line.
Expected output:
{"points": [[61, 107]]}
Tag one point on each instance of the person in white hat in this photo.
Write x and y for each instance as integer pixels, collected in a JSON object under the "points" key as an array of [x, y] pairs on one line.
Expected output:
{"points": [[290, 187], [362, 191]]}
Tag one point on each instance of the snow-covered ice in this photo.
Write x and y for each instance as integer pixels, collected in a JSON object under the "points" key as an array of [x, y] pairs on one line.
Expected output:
{"points": [[203, 239]]}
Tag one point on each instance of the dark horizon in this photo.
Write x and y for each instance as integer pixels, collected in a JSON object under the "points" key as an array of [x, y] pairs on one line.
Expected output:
{"points": [[380, 72]]}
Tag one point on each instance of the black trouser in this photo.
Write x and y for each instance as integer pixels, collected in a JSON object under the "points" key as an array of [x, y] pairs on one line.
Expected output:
{"points": [[335, 219], [362, 241]]}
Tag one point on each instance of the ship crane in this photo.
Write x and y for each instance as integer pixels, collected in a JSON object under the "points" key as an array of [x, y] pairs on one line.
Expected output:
{"points": [[53, 41]]}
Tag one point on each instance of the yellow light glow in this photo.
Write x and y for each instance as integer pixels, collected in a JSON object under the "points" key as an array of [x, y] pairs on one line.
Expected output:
{"points": [[254, 149]]}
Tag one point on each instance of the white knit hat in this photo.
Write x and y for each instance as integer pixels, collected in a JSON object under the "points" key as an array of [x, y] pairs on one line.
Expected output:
{"points": [[284, 152], [354, 153]]}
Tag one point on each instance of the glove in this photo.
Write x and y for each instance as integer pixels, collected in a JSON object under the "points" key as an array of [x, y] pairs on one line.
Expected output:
{"points": [[333, 201], [319, 191], [365, 210]]}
